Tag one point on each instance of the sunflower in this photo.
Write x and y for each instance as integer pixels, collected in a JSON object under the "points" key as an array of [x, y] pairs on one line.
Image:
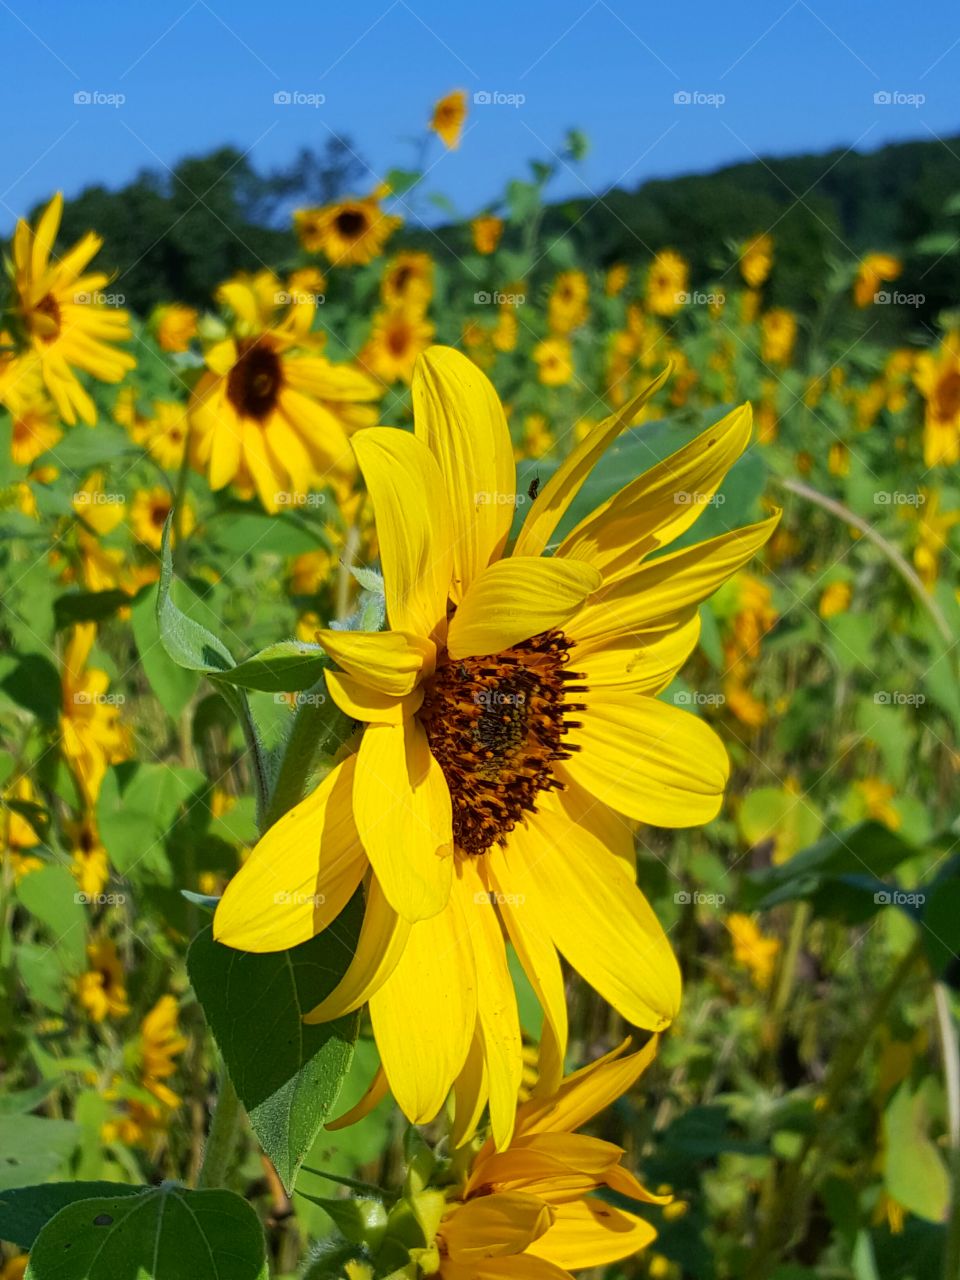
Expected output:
{"points": [[510, 716], [666, 283], [937, 378], [554, 360], [101, 990], [448, 118], [67, 323], [148, 515], [532, 1210], [408, 281], [17, 836], [160, 1043], [91, 734], [615, 281], [35, 430], [778, 333], [88, 860], [175, 326], [397, 338], [350, 232], [567, 307], [756, 260], [266, 415], [871, 273], [486, 231]]}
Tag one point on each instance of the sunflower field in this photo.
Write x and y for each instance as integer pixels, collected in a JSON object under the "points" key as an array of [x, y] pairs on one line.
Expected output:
{"points": [[479, 754]]}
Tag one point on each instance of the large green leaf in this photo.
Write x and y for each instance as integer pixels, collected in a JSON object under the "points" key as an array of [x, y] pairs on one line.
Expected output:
{"points": [[174, 685], [52, 895], [33, 1147], [287, 666], [914, 1171], [25, 1211], [188, 643], [165, 1233], [287, 1074]]}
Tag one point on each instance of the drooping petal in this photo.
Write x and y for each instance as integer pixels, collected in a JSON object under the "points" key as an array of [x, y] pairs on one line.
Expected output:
{"points": [[661, 588], [564, 485], [301, 874], [458, 416], [404, 817], [424, 1015], [581, 896], [469, 1094], [590, 1233], [383, 937], [360, 702], [649, 760], [658, 506], [586, 1092], [414, 527], [374, 1094], [638, 663], [494, 1225], [512, 600], [388, 661]]}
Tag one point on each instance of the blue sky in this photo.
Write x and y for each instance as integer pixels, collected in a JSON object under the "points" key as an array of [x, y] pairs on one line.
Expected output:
{"points": [[776, 76]]}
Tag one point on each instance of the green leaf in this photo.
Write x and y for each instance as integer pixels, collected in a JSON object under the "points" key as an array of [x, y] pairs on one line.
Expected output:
{"points": [[914, 1172], [33, 1148], [245, 532], [34, 683], [25, 1211], [287, 1074], [941, 918], [166, 1233], [174, 685], [287, 666], [52, 896], [136, 817], [401, 180], [786, 819], [88, 606], [188, 643], [83, 449], [19, 1104]]}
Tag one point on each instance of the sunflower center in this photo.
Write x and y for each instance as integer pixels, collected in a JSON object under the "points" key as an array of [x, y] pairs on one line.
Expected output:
{"points": [[948, 395], [254, 381], [351, 223], [495, 726], [47, 318]]}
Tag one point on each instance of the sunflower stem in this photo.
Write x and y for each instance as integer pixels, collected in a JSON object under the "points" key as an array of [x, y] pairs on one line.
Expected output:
{"points": [[950, 1048], [224, 1133]]}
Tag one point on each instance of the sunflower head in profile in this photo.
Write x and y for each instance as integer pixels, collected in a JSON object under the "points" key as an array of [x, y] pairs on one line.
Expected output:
{"points": [[64, 311], [510, 739], [449, 116], [348, 233], [398, 336]]}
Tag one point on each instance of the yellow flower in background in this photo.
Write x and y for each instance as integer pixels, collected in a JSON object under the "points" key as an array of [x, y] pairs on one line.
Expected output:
{"points": [[933, 535], [92, 736], [667, 283], [753, 950], [350, 232], [64, 313], [778, 333], [938, 380], [396, 339], [567, 307], [160, 1043], [835, 599], [101, 990], [17, 836], [148, 515], [164, 436], [532, 1210], [175, 326], [615, 281], [267, 416], [510, 712], [16, 1268], [554, 360], [874, 269], [756, 260], [749, 305], [99, 508], [486, 231], [838, 459], [449, 116], [537, 436], [89, 864], [505, 331], [34, 430], [408, 281], [876, 797]]}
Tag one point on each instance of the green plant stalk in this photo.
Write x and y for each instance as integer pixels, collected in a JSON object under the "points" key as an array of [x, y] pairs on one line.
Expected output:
{"points": [[224, 1133], [950, 1048], [179, 496], [791, 1193], [788, 971]]}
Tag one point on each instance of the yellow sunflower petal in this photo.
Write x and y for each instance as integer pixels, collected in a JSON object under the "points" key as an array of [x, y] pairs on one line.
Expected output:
{"points": [[383, 937], [579, 894], [458, 416], [301, 874], [374, 1094], [590, 1233], [658, 506], [564, 485], [360, 702], [45, 235], [490, 1226], [586, 1092], [389, 662], [402, 806], [469, 1094], [648, 760], [514, 599], [424, 1015], [512, 1266], [639, 662], [414, 527]]}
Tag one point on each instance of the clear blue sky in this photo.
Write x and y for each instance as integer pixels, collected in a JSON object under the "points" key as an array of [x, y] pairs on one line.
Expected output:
{"points": [[796, 76]]}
